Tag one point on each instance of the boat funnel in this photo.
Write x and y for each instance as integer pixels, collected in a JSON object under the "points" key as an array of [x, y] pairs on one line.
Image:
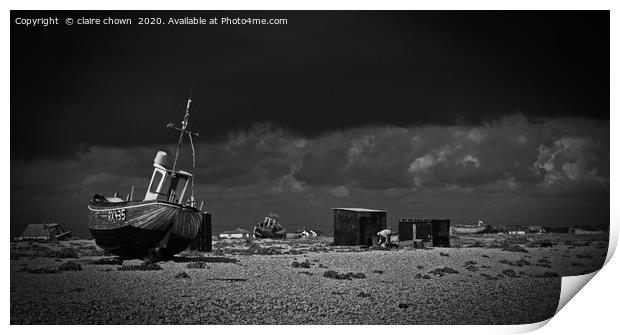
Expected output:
{"points": [[161, 158]]}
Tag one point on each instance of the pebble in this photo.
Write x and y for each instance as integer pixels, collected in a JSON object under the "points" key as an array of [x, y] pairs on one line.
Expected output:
{"points": [[266, 289]]}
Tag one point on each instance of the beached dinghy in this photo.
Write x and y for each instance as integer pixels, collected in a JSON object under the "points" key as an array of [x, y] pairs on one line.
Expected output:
{"points": [[162, 224]]}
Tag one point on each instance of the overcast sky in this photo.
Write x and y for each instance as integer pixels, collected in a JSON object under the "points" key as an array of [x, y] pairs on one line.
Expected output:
{"points": [[496, 116]]}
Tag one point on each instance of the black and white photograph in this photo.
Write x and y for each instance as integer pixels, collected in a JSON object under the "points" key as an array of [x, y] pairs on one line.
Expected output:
{"points": [[307, 167]]}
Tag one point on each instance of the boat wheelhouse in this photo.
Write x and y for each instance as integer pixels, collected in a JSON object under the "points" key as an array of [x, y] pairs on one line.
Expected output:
{"points": [[166, 184]]}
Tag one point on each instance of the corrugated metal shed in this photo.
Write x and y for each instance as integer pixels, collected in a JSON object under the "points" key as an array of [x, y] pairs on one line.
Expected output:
{"points": [[355, 209], [358, 226]]}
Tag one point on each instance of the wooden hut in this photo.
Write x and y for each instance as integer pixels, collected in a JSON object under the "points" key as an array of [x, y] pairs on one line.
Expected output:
{"points": [[357, 226], [434, 231], [44, 231]]}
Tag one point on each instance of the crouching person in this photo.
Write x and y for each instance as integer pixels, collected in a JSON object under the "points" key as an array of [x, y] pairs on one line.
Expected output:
{"points": [[383, 237]]}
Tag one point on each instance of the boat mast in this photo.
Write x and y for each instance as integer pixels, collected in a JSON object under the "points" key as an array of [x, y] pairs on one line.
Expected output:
{"points": [[183, 130]]}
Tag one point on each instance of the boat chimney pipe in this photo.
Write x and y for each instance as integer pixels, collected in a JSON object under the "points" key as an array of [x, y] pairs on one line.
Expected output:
{"points": [[161, 158]]}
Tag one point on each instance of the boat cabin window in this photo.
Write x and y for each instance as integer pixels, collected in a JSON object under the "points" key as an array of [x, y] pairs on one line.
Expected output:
{"points": [[157, 176], [175, 187], [269, 222], [167, 186]]}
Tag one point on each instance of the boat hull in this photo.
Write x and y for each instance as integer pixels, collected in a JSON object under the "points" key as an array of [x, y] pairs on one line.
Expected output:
{"points": [[136, 229], [468, 230], [264, 232]]}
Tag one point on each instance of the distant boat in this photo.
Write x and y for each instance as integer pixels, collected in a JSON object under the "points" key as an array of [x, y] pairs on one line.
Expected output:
{"points": [[162, 224], [469, 229], [269, 228]]}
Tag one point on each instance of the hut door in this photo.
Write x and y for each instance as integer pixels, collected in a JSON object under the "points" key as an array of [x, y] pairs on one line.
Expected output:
{"points": [[424, 231], [406, 231], [441, 234], [366, 231]]}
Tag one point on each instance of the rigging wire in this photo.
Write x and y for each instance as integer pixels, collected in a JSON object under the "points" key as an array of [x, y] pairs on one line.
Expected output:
{"points": [[185, 121], [191, 142]]}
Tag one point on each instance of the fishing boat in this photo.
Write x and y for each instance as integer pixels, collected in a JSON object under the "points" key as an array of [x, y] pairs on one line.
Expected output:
{"points": [[469, 229], [270, 227], [161, 224]]}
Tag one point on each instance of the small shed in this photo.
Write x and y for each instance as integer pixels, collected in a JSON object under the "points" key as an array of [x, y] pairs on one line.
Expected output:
{"points": [[44, 231], [203, 242], [358, 226], [435, 231], [235, 233]]}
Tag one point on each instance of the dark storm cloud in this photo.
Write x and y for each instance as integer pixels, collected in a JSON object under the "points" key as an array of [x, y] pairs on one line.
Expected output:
{"points": [[115, 86], [537, 155], [514, 162]]}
